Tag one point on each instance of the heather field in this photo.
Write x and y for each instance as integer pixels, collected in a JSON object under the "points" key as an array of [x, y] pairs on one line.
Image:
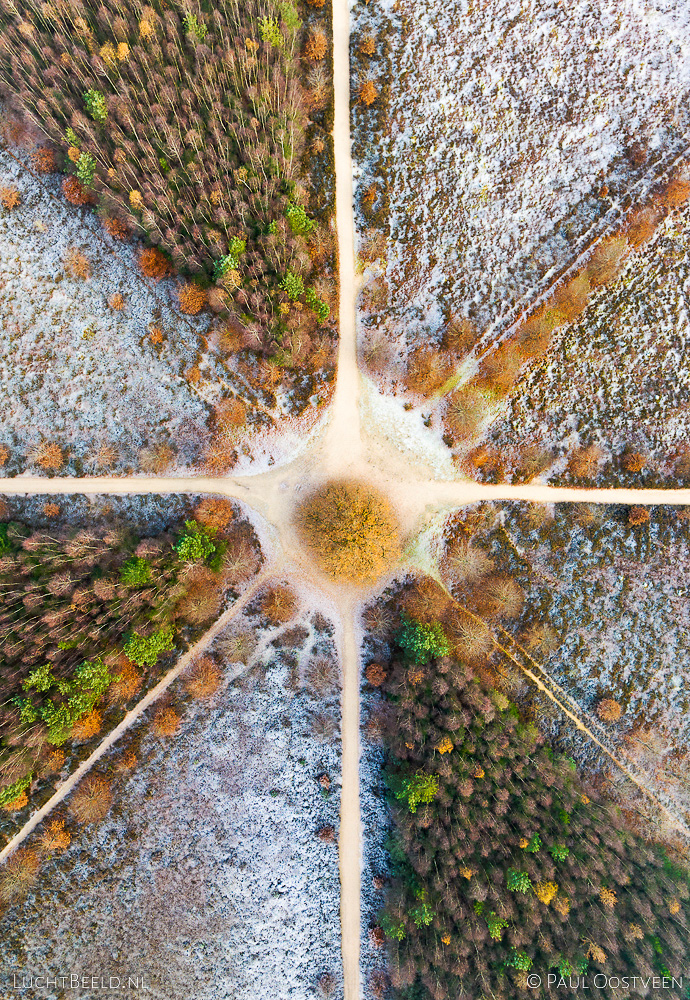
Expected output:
{"points": [[509, 220]]}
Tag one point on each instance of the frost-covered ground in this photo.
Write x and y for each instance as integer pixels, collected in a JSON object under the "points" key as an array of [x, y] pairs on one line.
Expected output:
{"points": [[607, 604], [619, 377], [207, 876], [73, 370], [126, 390], [503, 122]]}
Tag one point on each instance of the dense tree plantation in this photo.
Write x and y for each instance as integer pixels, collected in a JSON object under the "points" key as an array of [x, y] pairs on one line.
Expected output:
{"points": [[88, 617], [196, 127], [503, 865]]}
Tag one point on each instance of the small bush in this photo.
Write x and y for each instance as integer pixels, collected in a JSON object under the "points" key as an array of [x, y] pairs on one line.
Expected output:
{"points": [[192, 298], [91, 800], [204, 678], [420, 642], [166, 721], [116, 228], [49, 456], [215, 513], [154, 264], [316, 45], [55, 836], [609, 710], [76, 264], [144, 651], [638, 515], [18, 874], [279, 604], [375, 674], [10, 198], [75, 192], [368, 93], [43, 160], [86, 727]]}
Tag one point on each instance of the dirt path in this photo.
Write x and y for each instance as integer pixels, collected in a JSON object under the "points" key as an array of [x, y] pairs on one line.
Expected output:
{"points": [[68, 785], [350, 841], [343, 441]]}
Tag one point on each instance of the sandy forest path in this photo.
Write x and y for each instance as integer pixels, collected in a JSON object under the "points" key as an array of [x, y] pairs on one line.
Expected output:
{"points": [[345, 448]]}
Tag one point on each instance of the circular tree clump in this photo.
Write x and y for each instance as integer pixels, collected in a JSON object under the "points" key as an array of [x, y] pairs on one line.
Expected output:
{"points": [[351, 530]]}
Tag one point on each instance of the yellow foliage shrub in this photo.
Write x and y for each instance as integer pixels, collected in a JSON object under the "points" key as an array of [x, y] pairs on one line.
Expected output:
{"points": [[55, 836], [86, 727], [351, 530], [21, 800]]}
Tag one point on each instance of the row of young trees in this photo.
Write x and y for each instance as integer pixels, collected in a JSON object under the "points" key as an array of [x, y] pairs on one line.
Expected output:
{"points": [[502, 863], [186, 123], [88, 617]]}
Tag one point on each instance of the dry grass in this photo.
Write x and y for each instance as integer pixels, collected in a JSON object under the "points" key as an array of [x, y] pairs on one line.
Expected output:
{"points": [[204, 678], [4, 454], [606, 261], [91, 800], [676, 192], [351, 530], [427, 370], [116, 302], [230, 414], [642, 225], [499, 371]]}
